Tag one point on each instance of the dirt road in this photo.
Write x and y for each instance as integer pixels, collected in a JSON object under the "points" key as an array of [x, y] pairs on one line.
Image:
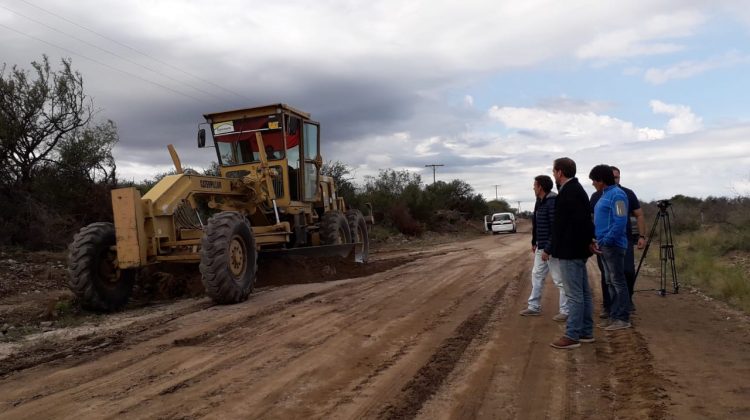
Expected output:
{"points": [[437, 336]]}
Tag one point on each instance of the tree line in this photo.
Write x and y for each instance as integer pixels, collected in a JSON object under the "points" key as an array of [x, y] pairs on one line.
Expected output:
{"points": [[56, 162], [57, 167], [400, 199]]}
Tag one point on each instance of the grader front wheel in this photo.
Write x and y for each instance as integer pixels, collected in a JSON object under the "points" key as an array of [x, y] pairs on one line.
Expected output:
{"points": [[228, 258], [92, 265]]}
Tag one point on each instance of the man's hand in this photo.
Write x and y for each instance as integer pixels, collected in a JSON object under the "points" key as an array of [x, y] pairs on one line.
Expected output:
{"points": [[641, 242], [545, 256], [594, 248]]}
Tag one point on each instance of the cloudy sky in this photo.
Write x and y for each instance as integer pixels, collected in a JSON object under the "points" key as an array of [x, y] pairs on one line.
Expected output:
{"points": [[493, 90]]}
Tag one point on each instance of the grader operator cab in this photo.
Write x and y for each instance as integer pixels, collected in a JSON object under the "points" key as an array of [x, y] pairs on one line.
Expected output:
{"points": [[270, 198]]}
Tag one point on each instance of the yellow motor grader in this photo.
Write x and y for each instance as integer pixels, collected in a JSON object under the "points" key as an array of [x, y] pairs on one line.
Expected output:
{"points": [[269, 197]]}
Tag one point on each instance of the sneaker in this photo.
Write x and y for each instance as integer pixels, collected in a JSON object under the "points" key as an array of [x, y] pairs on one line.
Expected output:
{"points": [[617, 325], [560, 317], [529, 312], [586, 339], [604, 324], [565, 343], [604, 314]]}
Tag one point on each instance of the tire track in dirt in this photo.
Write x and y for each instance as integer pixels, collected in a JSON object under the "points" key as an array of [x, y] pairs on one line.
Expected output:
{"points": [[294, 360], [470, 335], [85, 349], [358, 314], [444, 314], [632, 389], [92, 345], [617, 380], [430, 376], [508, 367], [143, 332], [517, 374], [289, 374]]}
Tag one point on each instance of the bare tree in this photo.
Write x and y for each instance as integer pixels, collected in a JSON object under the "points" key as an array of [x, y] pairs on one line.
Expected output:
{"points": [[87, 153], [37, 110]]}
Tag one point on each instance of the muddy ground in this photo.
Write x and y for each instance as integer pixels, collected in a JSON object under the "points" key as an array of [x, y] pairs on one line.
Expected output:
{"points": [[426, 332]]}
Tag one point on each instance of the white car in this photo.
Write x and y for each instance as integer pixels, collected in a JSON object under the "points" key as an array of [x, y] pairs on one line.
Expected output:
{"points": [[501, 222]]}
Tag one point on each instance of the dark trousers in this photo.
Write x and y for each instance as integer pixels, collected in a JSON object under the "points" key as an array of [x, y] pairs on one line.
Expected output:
{"points": [[630, 268], [629, 276]]}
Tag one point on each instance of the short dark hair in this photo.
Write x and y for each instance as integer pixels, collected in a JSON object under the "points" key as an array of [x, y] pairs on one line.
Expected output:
{"points": [[602, 173], [566, 165], [545, 182], [615, 168]]}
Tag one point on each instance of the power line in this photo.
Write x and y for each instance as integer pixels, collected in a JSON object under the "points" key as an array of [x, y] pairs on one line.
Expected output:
{"points": [[112, 53], [103, 64], [136, 50]]}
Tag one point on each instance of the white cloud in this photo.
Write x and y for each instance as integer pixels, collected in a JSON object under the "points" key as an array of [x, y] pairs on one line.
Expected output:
{"points": [[574, 129], [690, 68], [683, 120], [564, 103], [383, 70], [648, 37]]}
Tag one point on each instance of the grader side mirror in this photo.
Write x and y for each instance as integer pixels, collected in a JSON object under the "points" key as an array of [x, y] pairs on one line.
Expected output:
{"points": [[202, 138]]}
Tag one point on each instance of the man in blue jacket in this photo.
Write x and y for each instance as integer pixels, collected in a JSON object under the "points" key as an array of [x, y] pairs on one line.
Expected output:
{"points": [[572, 235], [610, 221], [634, 210], [542, 222]]}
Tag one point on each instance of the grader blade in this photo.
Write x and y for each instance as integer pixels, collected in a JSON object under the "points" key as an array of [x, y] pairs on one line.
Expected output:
{"points": [[337, 250]]}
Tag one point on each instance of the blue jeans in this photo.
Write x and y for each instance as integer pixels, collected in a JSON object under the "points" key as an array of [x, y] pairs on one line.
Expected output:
{"points": [[613, 259], [580, 306], [606, 301], [538, 274]]}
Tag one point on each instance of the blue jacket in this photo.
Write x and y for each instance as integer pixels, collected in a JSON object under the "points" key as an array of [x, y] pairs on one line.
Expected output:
{"points": [[544, 217], [611, 217], [633, 205]]}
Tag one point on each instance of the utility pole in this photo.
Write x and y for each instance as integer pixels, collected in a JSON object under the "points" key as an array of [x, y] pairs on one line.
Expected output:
{"points": [[496, 197], [433, 170], [519, 207]]}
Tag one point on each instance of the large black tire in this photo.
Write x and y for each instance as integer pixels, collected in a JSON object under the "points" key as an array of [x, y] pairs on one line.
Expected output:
{"points": [[334, 229], [94, 276], [358, 228], [228, 258]]}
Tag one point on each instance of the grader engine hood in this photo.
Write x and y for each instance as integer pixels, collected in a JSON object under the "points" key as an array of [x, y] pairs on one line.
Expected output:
{"points": [[141, 223]]}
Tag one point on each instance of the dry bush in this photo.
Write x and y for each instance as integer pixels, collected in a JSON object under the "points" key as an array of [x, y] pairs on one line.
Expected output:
{"points": [[403, 221]]}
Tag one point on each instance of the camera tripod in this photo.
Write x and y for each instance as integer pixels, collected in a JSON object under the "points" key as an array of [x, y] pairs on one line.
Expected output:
{"points": [[666, 249]]}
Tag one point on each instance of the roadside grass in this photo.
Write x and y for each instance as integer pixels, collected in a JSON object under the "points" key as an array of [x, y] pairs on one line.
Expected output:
{"points": [[702, 261]]}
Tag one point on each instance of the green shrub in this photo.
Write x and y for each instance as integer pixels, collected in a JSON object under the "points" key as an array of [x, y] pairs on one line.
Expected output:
{"points": [[702, 261]]}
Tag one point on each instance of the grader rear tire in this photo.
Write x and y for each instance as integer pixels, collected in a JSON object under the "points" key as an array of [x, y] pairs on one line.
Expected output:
{"points": [[228, 258], [334, 229], [92, 267], [358, 228]]}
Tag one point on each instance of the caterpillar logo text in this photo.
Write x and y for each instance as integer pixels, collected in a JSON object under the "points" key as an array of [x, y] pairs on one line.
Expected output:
{"points": [[216, 185]]}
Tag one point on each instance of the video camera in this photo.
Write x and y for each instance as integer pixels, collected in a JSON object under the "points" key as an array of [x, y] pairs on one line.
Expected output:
{"points": [[663, 204]]}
